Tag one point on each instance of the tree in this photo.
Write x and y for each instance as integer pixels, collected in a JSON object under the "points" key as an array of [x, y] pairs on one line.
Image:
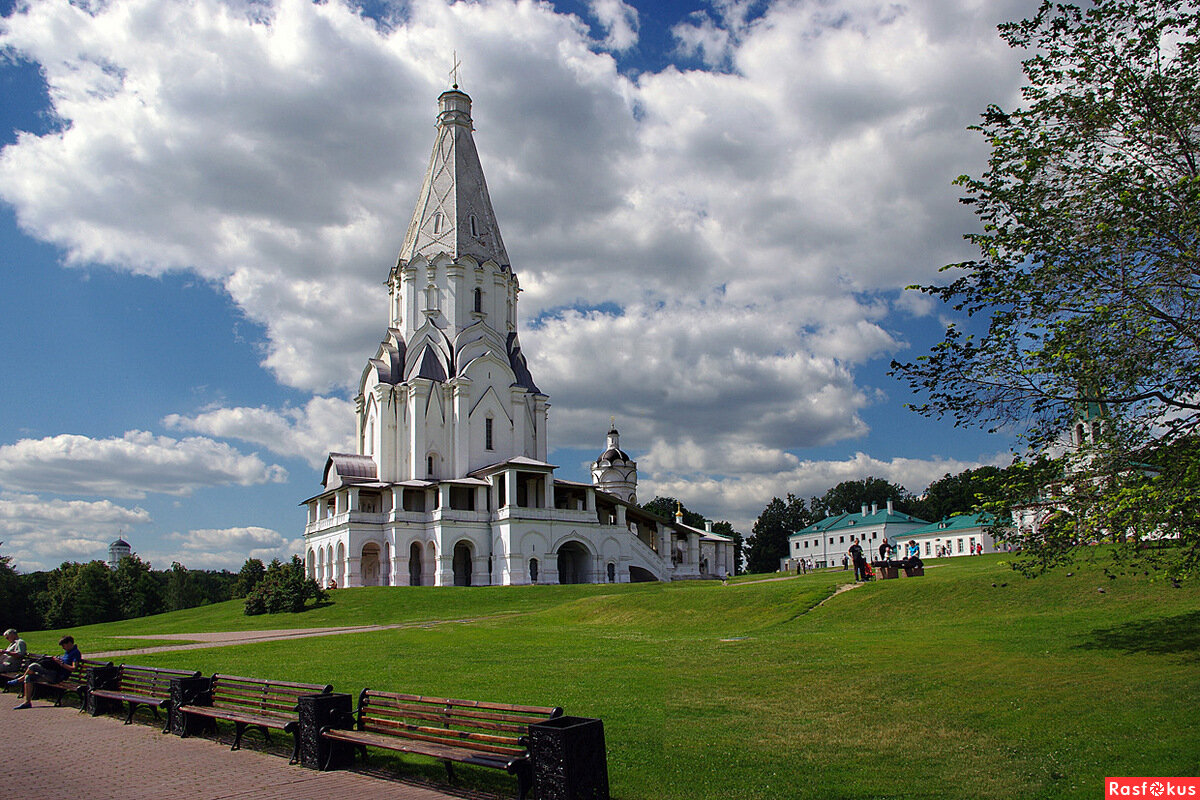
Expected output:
{"points": [[850, 496], [138, 593], [182, 590], [1087, 285], [958, 494], [769, 538], [665, 507], [12, 600], [79, 594], [284, 587], [248, 577]]}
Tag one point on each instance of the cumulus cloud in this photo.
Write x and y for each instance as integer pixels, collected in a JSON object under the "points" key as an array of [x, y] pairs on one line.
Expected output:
{"points": [[743, 496], [129, 467], [619, 19], [751, 223], [228, 548], [323, 425], [41, 533]]}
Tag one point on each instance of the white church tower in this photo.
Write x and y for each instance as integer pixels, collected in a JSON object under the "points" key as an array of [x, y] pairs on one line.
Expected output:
{"points": [[448, 391], [449, 483], [614, 471]]}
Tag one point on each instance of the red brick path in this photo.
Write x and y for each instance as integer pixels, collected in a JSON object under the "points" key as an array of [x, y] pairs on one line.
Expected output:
{"points": [[58, 752]]}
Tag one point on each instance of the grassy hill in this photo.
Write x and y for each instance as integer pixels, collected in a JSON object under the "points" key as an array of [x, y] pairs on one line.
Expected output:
{"points": [[970, 682]]}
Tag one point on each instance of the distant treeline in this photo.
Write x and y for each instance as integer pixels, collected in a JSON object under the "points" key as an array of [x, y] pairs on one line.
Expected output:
{"points": [[81, 594]]}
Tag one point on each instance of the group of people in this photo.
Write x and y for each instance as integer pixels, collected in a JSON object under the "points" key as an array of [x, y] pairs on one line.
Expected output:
{"points": [[49, 669], [887, 552]]}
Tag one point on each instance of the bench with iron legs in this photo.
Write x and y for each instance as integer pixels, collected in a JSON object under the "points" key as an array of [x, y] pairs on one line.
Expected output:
{"points": [[463, 731], [75, 681], [251, 703], [139, 686]]}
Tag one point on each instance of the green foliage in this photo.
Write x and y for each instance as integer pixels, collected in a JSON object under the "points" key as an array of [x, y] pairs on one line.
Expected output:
{"points": [[139, 594], [79, 594], [850, 496], [11, 598], [1088, 275], [769, 537], [283, 588], [665, 507], [251, 573], [958, 494]]}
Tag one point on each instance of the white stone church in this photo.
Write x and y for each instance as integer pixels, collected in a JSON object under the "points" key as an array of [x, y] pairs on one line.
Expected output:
{"points": [[450, 484]]}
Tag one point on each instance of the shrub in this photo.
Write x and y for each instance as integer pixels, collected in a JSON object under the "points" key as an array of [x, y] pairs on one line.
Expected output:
{"points": [[283, 588]]}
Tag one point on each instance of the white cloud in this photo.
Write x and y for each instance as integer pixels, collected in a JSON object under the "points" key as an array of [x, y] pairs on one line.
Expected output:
{"points": [[129, 467], [323, 425], [41, 533], [752, 223], [742, 498], [228, 548], [619, 19]]}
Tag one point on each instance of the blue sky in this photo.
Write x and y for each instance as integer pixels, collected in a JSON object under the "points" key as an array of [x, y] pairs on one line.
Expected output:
{"points": [[713, 209]]}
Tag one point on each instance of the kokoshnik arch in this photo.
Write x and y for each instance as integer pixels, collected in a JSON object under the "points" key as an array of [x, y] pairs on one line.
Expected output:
{"points": [[450, 483]]}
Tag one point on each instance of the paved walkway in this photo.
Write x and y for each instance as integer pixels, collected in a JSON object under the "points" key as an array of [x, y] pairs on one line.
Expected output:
{"points": [[47, 751]]}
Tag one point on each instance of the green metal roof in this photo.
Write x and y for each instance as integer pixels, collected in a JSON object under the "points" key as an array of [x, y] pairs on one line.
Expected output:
{"points": [[854, 521], [954, 524]]}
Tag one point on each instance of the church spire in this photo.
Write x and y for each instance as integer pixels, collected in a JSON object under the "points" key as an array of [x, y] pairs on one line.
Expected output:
{"points": [[454, 212]]}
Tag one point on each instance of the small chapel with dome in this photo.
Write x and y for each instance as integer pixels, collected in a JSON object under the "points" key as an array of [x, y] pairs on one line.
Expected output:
{"points": [[450, 483]]}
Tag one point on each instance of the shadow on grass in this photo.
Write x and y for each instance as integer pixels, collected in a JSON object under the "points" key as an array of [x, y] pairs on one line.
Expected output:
{"points": [[1177, 635]]}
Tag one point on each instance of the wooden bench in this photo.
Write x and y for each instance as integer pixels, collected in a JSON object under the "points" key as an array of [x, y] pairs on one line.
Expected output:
{"points": [[464, 731], [252, 703], [76, 681], [17, 664], [142, 686]]}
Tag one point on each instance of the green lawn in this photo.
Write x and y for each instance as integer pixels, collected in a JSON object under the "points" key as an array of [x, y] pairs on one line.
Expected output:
{"points": [[943, 686]]}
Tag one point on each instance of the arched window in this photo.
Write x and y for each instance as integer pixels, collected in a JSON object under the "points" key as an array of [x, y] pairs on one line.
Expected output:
{"points": [[474, 230], [533, 570], [429, 466], [487, 434], [437, 222], [478, 300], [612, 572]]}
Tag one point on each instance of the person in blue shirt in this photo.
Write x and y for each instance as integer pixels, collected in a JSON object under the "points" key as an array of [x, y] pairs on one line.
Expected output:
{"points": [[58, 669]]}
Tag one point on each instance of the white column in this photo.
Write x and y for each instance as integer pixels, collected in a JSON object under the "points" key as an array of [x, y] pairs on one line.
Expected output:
{"points": [[353, 578], [549, 490], [462, 427], [693, 551], [621, 515], [519, 412], [510, 487], [541, 408], [445, 570]]}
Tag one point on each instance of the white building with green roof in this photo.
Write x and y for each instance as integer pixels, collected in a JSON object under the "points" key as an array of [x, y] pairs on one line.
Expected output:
{"points": [[959, 535], [824, 543]]}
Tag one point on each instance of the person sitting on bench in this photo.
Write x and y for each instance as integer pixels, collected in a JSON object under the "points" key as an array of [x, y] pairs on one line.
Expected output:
{"points": [[16, 648], [51, 670]]}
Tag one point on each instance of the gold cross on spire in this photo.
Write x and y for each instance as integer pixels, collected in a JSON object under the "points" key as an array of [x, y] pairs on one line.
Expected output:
{"points": [[454, 70]]}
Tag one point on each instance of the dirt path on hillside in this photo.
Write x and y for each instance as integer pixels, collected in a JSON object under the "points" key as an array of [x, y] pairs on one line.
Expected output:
{"points": [[200, 641]]}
